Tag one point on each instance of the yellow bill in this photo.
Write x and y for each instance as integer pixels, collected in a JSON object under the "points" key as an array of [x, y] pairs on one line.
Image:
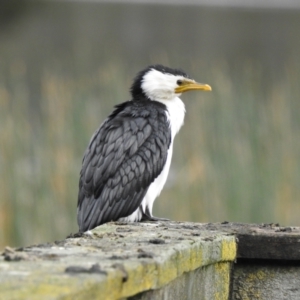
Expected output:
{"points": [[191, 85]]}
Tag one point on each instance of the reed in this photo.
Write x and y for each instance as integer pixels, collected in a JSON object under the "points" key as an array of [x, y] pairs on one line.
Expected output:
{"points": [[236, 158]]}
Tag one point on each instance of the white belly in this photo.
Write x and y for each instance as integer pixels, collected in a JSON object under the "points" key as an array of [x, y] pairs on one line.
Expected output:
{"points": [[157, 185], [175, 116], [153, 192]]}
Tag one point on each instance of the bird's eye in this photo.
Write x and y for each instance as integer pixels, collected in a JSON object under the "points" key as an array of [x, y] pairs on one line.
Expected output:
{"points": [[179, 82]]}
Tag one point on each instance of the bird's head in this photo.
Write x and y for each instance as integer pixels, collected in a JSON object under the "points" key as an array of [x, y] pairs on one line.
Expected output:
{"points": [[162, 83]]}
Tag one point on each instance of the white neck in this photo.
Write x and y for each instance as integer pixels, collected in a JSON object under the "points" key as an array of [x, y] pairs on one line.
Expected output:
{"points": [[175, 115]]}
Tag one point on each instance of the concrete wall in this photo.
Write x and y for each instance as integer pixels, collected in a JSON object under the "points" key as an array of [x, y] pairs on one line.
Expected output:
{"points": [[118, 261], [167, 260]]}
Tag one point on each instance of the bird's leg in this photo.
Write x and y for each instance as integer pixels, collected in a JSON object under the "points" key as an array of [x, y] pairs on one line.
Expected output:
{"points": [[156, 219], [147, 217]]}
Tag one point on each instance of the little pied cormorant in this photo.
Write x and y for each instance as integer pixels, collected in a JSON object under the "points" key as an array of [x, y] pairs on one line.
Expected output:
{"points": [[128, 159]]}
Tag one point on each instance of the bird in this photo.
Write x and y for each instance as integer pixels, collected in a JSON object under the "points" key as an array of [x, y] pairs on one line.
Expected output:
{"points": [[127, 161]]}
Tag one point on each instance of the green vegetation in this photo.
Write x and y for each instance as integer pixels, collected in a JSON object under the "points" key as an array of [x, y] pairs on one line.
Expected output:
{"points": [[236, 158]]}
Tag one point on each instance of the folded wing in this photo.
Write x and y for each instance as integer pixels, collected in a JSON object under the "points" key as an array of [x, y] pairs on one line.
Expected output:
{"points": [[124, 156]]}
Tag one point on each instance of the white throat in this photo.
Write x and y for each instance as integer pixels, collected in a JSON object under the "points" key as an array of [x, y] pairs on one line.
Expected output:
{"points": [[175, 114]]}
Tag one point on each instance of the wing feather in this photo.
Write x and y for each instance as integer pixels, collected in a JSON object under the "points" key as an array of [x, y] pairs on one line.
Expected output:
{"points": [[124, 156]]}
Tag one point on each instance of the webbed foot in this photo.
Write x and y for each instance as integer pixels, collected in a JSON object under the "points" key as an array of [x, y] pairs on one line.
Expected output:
{"points": [[146, 217]]}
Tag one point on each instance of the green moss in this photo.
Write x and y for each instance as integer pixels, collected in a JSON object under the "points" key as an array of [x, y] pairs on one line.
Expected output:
{"points": [[125, 273]]}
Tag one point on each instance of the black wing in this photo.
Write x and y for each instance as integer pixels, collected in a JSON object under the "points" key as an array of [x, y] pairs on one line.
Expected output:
{"points": [[124, 156]]}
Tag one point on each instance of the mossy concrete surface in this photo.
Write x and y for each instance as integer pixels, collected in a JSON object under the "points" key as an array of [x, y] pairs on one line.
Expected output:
{"points": [[266, 280], [210, 282], [121, 260]]}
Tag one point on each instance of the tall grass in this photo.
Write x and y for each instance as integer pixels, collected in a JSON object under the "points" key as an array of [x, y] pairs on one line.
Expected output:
{"points": [[236, 158]]}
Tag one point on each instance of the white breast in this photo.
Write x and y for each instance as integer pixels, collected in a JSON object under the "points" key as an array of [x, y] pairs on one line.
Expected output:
{"points": [[175, 115]]}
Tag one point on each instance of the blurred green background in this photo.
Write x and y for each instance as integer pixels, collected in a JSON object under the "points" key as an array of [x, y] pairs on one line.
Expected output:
{"points": [[64, 65]]}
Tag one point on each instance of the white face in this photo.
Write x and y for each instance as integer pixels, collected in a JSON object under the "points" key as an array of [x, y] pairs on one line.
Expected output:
{"points": [[157, 85]]}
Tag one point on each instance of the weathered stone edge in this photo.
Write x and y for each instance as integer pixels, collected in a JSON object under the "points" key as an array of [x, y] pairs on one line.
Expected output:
{"points": [[51, 282], [157, 272]]}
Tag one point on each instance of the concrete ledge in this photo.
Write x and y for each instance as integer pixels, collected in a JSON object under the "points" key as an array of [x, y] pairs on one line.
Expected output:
{"points": [[265, 280], [119, 260], [166, 260], [262, 241]]}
